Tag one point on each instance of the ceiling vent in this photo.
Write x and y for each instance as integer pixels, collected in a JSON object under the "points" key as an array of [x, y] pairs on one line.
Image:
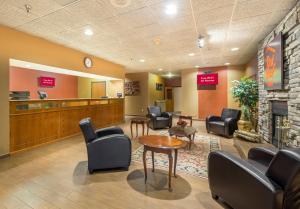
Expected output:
{"points": [[120, 3]]}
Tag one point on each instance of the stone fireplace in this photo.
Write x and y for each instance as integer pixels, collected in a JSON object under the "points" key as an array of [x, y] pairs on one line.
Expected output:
{"points": [[276, 105], [279, 113]]}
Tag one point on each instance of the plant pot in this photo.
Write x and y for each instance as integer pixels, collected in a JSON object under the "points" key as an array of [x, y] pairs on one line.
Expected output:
{"points": [[244, 125]]}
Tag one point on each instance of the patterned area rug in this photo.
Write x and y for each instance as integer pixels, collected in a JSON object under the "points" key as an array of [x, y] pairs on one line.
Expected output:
{"points": [[192, 162]]}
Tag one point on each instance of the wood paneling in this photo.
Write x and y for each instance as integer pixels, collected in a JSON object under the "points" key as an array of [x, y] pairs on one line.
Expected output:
{"points": [[38, 122]]}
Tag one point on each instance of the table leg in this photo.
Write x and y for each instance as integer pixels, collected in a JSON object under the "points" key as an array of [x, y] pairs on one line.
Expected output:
{"points": [[170, 169], [143, 126], [175, 162], [190, 142], [148, 128], [145, 163], [131, 129], [152, 161]]}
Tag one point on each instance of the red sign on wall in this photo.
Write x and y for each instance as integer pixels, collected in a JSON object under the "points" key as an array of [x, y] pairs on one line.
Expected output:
{"points": [[207, 79], [46, 82]]}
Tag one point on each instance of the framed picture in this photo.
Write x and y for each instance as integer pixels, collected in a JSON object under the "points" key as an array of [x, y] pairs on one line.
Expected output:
{"points": [[132, 88], [273, 63], [159, 86]]}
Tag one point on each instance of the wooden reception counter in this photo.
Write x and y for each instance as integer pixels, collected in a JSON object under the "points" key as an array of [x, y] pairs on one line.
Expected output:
{"points": [[36, 122]]}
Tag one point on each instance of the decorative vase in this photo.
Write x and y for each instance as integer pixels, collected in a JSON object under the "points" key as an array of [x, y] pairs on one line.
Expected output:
{"points": [[244, 125]]}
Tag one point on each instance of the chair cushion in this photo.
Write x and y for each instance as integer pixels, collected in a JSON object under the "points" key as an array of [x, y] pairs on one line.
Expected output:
{"points": [[162, 118], [155, 110]]}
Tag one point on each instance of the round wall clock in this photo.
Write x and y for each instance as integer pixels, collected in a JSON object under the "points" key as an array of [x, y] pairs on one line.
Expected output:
{"points": [[88, 62]]}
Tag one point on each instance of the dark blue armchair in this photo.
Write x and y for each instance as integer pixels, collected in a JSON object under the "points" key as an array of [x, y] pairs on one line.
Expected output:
{"points": [[107, 148]]}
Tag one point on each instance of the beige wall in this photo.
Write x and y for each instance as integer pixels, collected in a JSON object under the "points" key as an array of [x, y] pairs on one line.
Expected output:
{"points": [[233, 73], [137, 105], [190, 92], [178, 99], [153, 93], [112, 87], [18, 45], [252, 68]]}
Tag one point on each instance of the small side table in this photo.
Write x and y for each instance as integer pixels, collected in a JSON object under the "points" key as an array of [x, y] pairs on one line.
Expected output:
{"points": [[141, 121], [165, 145]]}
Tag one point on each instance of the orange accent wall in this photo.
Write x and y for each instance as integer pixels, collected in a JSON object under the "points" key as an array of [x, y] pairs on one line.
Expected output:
{"points": [[211, 102], [21, 79]]}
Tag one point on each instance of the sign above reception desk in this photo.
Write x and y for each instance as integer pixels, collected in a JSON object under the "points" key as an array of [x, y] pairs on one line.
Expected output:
{"points": [[46, 68]]}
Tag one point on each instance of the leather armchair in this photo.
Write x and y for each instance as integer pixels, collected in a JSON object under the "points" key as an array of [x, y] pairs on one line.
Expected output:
{"points": [[261, 182], [106, 148], [225, 124], [159, 119]]}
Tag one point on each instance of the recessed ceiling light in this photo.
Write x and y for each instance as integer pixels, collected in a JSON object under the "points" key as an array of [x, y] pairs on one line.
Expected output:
{"points": [[142, 60], [235, 49], [171, 9], [197, 66], [227, 63], [88, 32], [191, 54], [160, 69]]}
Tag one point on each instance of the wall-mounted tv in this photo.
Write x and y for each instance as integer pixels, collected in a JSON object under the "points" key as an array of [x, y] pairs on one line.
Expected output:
{"points": [[273, 63], [207, 79]]}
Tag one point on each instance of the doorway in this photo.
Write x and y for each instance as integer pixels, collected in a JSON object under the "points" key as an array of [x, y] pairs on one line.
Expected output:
{"points": [[169, 99], [98, 89]]}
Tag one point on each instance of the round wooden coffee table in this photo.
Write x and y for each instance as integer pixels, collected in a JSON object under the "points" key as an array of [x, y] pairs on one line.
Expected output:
{"points": [[161, 144]]}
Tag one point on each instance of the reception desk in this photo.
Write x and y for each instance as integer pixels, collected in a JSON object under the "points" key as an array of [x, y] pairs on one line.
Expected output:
{"points": [[36, 122]]}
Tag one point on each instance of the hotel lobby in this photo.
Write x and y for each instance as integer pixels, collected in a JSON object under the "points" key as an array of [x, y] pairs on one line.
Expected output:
{"points": [[123, 104]]}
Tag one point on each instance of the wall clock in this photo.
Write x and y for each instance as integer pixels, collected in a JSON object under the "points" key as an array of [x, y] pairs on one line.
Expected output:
{"points": [[88, 62]]}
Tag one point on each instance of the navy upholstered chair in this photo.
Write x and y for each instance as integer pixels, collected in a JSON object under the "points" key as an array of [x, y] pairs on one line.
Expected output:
{"points": [[106, 148]]}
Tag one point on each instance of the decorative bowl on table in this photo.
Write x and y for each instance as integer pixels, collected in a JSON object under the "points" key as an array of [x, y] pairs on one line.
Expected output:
{"points": [[182, 123]]}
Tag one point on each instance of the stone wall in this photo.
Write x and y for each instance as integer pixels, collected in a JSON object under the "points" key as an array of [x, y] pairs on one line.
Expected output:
{"points": [[290, 28]]}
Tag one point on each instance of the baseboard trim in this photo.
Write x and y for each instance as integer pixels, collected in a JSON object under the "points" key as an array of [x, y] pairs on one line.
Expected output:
{"points": [[4, 156]]}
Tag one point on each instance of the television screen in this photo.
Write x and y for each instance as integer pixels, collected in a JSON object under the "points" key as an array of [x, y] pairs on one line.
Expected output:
{"points": [[273, 63]]}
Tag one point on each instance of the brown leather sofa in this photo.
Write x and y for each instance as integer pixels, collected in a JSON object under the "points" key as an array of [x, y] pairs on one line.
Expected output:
{"points": [[225, 124], [266, 180]]}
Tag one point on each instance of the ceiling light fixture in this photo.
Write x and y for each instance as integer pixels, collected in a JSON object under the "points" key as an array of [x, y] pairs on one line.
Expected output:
{"points": [[142, 60], [171, 9], [88, 32], [170, 75], [200, 42], [191, 54], [197, 66], [160, 69], [28, 8], [235, 49], [227, 63]]}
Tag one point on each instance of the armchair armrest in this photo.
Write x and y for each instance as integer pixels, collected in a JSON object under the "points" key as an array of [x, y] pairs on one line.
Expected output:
{"points": [[166, 114], [151, 115], [240, 184], [213, 118], [108, 131], [262, 155]]}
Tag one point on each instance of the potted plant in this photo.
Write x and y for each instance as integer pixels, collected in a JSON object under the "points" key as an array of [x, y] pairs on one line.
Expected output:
{"points": [[245, 92]]}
